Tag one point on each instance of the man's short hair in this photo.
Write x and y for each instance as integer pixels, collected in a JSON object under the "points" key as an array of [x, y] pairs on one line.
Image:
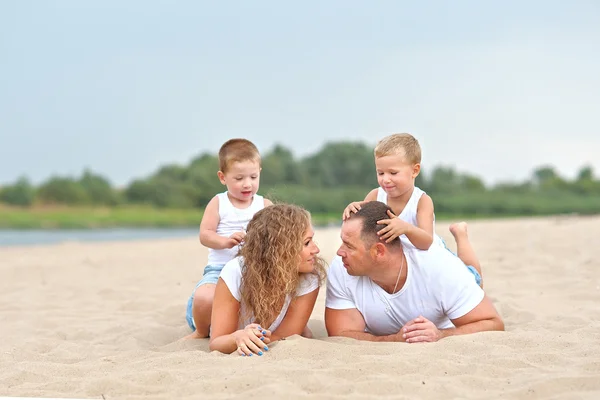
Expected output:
{"points": [[403, 144], [236, 150], [369, 214]]}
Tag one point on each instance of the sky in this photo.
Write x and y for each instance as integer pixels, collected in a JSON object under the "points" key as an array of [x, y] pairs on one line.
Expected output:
{"points": [[495, 89]]}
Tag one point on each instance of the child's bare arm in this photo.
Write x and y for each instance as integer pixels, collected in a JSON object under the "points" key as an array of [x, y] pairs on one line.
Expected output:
{"points": [[267, 202], [208, 228], [371, 196], [356, 205], [422, 235]]}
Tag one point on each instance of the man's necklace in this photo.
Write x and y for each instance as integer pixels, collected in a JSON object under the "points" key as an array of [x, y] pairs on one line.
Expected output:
{"points": [[399, 274]]}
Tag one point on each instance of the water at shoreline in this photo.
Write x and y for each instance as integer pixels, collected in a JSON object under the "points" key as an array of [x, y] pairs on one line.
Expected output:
{"points": [[9, 237]]}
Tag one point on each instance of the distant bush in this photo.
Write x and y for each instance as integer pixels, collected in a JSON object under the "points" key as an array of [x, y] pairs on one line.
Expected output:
{"points": [[21, 193]]}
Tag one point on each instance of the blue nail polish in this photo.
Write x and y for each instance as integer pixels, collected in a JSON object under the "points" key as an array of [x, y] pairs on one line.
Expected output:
{"points": [[260, 353], [243, 355], [250, 355], [264, 332], [266, 348], [262, 338]]}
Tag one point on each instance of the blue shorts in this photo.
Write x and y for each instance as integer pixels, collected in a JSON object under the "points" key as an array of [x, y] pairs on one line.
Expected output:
{"points": [[471, 268], [211, 275]]}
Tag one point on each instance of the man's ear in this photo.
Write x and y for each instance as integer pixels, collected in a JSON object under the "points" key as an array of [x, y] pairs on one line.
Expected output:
{"points": [[377, 250], [416, 170], [221, 176]]}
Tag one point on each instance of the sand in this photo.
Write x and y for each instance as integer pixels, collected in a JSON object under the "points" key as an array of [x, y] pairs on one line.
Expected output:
{"points": [[103, 320]]}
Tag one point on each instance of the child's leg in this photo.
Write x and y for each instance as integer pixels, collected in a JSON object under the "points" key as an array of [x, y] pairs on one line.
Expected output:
{"points": [[202, 309], [464, 249]]}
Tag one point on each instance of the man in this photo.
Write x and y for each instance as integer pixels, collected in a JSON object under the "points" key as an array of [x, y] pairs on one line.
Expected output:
{"points": [[393, 292]]}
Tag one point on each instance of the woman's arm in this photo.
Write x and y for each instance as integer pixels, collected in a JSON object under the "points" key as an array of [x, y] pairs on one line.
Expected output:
{"points": [[297, 316], [224, 335]]}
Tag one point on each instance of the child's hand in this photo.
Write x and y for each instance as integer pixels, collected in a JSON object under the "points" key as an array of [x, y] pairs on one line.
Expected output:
{"points": [[235, 239], [352, 207], [395, 227]]}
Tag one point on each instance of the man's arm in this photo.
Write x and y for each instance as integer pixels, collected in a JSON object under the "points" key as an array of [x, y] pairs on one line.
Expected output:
{"points": [[350, 323], [483, 317]]}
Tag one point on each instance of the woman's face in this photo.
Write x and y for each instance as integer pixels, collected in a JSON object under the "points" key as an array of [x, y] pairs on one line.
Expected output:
{"points": [[308, 253]]}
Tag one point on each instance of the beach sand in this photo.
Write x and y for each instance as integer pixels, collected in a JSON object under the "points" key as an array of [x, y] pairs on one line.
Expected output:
{"points": [[103, 320]]}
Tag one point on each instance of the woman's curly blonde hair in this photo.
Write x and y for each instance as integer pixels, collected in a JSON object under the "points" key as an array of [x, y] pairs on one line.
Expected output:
{"points": [[271, 254]]}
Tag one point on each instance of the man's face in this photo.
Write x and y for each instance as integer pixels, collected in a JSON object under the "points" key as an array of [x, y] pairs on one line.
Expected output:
{"points": [[355, 256]]}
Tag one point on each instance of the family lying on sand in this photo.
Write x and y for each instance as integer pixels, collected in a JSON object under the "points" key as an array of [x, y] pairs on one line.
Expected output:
{"points": [[393, 279]]}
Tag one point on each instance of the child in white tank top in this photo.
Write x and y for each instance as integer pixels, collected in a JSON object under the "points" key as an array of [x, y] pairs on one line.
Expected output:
{"points": [[223, 224], [398, 163]]}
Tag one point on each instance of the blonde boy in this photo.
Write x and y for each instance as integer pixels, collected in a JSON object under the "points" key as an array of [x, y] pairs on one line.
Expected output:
{"points": [[398, 163], [224, 222]]}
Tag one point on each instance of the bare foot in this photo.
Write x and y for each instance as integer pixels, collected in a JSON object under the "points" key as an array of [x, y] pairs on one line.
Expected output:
{"points": [[193, 335], [458, 229], [307, 333]]}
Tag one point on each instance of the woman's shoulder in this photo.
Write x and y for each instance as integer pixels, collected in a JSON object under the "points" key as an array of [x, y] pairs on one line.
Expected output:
{"points": [[307, 283], [233, 267]]}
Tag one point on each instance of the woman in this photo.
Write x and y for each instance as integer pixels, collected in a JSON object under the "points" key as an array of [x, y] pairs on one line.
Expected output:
{"points": [[268, 292]]}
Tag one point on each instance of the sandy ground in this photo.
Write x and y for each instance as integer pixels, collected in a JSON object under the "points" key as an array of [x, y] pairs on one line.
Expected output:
{"points": [[102, 320]]}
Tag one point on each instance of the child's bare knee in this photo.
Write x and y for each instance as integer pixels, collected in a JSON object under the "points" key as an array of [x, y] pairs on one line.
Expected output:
{"points": [[203, 298]]}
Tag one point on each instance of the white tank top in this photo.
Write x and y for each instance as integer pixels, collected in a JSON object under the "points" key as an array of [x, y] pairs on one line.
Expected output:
{"points": [[409, 213], [231, 220]]}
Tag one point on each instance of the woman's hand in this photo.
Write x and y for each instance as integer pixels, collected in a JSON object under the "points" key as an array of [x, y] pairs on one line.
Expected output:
{"points": [[252, 340]]}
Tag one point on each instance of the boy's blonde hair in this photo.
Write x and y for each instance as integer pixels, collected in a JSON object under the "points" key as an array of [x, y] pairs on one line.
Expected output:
{"points": [[400, 144], [236, 150]]}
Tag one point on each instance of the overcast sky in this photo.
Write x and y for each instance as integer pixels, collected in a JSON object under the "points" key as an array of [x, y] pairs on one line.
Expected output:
{"points": [[122, 87]]}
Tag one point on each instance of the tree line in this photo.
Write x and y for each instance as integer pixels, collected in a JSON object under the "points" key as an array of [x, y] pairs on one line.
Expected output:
{"points": [[323, 182]]}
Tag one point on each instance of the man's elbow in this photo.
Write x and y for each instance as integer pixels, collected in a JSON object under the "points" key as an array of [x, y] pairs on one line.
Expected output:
{"points": [[330, 326]]}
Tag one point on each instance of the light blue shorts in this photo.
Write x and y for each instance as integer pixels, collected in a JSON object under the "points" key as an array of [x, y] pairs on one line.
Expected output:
{"points": [[471, 268], [211, 275]]}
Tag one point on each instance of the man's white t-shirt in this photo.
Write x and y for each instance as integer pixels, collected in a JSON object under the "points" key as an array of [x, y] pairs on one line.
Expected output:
{"points": [[438, 287], [232, 276]]}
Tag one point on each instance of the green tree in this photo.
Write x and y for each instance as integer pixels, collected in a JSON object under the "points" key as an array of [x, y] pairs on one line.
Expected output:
{"points": [[279, 166], [444, 180], [98, 189], [21, 193], [202, 179], [59, 190], [341, 164]]}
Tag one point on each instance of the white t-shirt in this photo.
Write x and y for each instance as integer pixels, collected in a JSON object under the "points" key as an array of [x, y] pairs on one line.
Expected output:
{"points": [[232, 276], [231, 220], [409, 213], [438, 287]]}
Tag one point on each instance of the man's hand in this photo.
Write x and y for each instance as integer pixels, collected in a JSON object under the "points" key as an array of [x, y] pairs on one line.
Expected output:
{"points": [[419, 330], [395, 227], [352, 208], [235, 239]]}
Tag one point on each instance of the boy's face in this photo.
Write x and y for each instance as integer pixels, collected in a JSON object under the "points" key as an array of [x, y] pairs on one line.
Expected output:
{"points": [[242, 179], [395, 175]]}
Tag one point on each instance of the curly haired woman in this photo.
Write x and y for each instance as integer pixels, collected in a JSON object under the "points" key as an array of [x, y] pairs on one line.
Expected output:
{"points": [[268, 292]]}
